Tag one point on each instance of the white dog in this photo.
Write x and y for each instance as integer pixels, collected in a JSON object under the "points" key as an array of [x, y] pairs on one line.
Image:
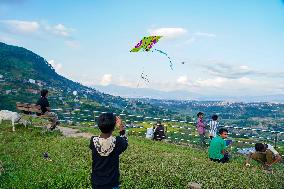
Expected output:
{"points": [[14, 117]]}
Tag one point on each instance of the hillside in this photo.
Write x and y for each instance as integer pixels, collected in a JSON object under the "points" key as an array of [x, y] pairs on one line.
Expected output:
{"points": [[23, 74], [145, 164]]}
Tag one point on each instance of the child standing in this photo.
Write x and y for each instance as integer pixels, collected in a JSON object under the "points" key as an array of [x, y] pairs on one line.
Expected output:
{"points": [[105, 152], [201, 128], [213, 126]]}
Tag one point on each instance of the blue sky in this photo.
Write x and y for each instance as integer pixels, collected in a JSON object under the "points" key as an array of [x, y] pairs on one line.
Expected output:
{"points": [[229, 47]]}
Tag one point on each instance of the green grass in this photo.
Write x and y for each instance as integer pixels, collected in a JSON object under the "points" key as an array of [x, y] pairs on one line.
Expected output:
{"points": [[145, 164]]}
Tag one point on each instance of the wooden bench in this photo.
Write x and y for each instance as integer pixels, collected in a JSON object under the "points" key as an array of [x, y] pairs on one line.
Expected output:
{"points": [[30, 111], [28, 108]]}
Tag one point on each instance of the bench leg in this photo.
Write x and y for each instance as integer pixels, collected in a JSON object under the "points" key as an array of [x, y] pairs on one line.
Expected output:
{"points": [[13, 124]]}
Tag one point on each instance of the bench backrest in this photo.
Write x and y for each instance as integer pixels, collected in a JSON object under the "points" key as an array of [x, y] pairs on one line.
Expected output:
{"points": [[30, 108]]}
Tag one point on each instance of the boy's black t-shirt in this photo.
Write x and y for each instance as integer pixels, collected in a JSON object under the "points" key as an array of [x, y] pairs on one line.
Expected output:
{"points": [[43, 102], [105, 169], [159, 133]]}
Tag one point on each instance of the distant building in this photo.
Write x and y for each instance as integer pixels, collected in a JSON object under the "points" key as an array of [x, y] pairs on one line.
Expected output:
{"points": [[8, 92], [33, 91], [40, 83], [1, 76], [32, 81]]}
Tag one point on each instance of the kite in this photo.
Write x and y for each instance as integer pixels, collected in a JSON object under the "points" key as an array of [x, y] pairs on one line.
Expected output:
{"points": [[144, 77], [147, 43]]}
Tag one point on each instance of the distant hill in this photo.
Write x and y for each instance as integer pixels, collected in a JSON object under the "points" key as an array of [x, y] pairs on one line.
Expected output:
{"points": [[23, 74], [129, 92]]}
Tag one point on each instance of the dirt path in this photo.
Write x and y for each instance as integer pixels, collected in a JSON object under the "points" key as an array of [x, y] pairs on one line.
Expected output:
{"points": [[70, 132]]}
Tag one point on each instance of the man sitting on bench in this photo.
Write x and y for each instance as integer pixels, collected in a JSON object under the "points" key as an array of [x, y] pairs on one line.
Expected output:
{"points": [[45, 109]]}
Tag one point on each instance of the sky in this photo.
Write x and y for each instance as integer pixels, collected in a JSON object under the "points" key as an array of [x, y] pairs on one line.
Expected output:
{"points": [[217, 47]]}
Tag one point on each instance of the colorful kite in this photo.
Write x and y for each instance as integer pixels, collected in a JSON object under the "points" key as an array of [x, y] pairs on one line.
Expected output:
{"points": [[146, 43]]}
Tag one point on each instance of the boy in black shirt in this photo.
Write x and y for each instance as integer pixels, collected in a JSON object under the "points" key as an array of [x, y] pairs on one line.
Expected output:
{"points": [[105, 152], [45, 109]]}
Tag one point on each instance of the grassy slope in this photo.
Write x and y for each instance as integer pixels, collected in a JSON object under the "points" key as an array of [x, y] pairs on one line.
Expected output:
{"points": [[145, 164]]}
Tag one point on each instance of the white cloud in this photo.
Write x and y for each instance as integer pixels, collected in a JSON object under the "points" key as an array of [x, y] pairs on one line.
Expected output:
{"points": [[212, 82], [106, 79], [19, 26], [55, 65], [72, 43], [205, 34], [247, 81], [168, 32], [59, 30], [39, 29], [183, 80]]}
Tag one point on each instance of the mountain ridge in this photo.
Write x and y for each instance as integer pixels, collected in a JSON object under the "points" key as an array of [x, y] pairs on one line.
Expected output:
{"points": [[129, 92]]}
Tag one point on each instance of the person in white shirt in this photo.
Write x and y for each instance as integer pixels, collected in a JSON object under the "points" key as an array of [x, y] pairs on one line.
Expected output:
{"points": [[150, 133], [213, 127], [265, 154]]}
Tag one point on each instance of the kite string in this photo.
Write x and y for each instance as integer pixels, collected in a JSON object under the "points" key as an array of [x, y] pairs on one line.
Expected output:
{"points": [[164, 53], [144, 77]]}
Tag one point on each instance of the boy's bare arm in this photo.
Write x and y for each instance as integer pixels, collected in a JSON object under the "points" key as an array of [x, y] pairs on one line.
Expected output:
{"points": [[248, 159], [277, 159], [120, 125]]}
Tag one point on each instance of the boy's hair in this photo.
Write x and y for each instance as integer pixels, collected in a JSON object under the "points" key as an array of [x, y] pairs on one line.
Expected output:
{"points": [[259, 147], [200, 113], [214, 117], [159, 123], [222, 130], [106, 122], [43, 92]]}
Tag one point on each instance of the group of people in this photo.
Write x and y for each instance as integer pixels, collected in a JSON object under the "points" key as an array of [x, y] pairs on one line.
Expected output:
{"points": [[106, 148], [201, 127], [157, 132], [264, 153]]}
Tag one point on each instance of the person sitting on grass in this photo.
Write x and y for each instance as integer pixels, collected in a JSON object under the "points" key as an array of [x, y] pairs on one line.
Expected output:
{"points": [[265, 154], [45, 109], [159, 132], [217, 147], [105, 152]]}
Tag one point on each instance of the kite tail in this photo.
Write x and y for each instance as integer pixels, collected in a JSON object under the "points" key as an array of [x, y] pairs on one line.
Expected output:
{"points": [[164, 53]]}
